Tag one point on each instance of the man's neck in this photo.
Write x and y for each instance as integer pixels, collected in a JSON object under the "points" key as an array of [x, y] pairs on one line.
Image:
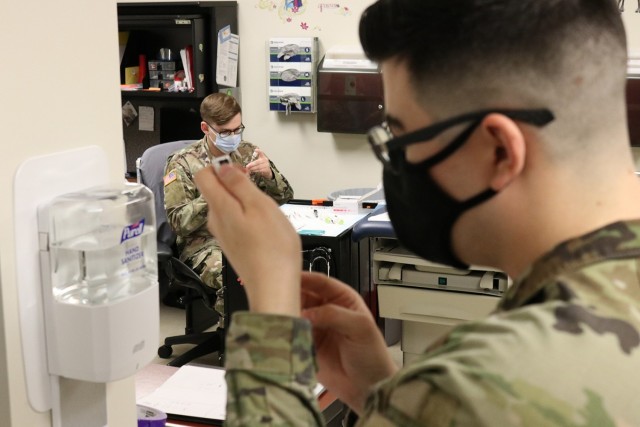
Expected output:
{"points": [[523, 227], [587, 209]]}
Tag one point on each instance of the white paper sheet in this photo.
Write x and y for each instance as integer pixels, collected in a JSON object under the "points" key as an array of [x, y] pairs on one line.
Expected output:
{"points": [[145, 119], [193, 391], [319, 220], [227, 61]]}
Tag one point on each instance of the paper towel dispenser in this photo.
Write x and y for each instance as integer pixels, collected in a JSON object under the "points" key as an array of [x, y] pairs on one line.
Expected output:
{"points": [[633, 109], [349, 93]]}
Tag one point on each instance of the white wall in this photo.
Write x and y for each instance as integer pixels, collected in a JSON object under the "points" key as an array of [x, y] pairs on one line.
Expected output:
{"points": [[60, 69], [60, 79], [315, 163], [632, 24]]}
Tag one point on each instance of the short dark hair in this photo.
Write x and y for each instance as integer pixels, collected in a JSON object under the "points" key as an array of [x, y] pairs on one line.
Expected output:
{"points": [[219, 108], [566, 55], [435, 35]]}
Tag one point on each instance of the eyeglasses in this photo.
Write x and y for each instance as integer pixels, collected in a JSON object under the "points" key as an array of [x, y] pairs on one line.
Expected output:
{"points": [[226, 132], [389, 148]]}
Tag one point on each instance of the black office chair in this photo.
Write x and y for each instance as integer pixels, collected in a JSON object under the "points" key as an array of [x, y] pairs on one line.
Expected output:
{"points": [[174, 274]]}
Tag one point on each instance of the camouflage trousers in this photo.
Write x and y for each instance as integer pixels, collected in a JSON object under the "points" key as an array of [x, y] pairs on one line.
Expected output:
{"points": [[207, 263]]}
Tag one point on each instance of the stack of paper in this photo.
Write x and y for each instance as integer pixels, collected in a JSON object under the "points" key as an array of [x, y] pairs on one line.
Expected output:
{"points": [[194, 392]]}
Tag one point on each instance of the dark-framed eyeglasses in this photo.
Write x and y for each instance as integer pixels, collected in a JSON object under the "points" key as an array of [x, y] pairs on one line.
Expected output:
{"points": [[385, 145], [225, 133]]}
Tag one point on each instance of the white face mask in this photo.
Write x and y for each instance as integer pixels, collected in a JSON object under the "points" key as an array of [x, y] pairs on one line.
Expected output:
{"points": [[228, 144]]}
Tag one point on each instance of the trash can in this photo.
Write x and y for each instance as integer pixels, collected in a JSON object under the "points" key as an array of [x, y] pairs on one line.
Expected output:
{"points": [[375, 197]]}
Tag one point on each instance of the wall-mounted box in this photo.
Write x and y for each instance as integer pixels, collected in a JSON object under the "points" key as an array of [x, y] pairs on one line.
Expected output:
{"points": [[291, 99], [298, 74], [633, 98], [292, 68], [633, 109], [293, 49], [350, 96]]}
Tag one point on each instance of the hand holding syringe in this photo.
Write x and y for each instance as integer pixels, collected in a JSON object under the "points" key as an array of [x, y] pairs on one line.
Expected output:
{"points": [[260, 164]]}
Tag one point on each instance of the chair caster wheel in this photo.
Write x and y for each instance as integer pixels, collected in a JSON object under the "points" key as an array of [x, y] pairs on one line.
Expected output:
{"points": [[165, 351]]}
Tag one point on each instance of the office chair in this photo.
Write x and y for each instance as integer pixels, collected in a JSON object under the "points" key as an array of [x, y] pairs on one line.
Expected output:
{"points": [[173, 273]]}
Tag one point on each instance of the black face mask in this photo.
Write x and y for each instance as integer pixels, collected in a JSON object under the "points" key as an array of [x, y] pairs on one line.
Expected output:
{"points": [[421, 212]]}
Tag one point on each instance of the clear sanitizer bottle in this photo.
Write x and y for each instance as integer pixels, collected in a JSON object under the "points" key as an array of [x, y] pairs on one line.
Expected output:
{"points": [[103, 244], [99, 269]]}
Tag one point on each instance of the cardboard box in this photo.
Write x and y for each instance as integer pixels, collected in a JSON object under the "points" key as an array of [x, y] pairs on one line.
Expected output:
{"points": [[300, 99], [293, 49], [347, 205], [298, 74]]}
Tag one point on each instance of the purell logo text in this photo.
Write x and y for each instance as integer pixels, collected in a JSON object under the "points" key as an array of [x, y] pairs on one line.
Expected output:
{"points": [[132, 230]]}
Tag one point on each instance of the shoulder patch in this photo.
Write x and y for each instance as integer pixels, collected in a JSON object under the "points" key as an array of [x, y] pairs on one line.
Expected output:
{"points": [[170, 177]]}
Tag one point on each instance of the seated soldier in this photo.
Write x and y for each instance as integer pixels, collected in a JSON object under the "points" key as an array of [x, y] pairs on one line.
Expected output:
{"points": [[187, 210]]}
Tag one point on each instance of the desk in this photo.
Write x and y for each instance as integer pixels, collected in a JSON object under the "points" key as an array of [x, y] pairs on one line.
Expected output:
{"points": [[154, 375], [327, 248]]}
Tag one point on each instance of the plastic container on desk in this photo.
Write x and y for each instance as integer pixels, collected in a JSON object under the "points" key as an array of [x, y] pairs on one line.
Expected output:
{"points": [[377, 196]]}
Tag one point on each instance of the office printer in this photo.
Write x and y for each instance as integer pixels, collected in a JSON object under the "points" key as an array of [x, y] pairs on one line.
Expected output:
{"points": [[428, 298], [395, 265]]}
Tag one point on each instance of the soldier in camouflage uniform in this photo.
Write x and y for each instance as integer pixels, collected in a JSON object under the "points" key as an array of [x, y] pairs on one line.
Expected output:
{"points": [[186, 209], [506, 145]]}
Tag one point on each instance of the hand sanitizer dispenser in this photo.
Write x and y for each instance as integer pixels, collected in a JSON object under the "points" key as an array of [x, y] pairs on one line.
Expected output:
{"points": [[99, 276]]}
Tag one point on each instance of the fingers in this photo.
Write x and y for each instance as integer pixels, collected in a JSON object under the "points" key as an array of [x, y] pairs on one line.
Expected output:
{"points": [[349, 322], [317, 287], [229, 188]]}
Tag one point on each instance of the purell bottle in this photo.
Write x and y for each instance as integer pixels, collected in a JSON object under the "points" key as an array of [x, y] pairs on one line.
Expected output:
{"points": [[99, 282], [102, 244]]}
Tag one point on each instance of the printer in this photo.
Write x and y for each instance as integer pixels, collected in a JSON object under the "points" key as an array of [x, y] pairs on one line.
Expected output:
{"points": [[428, 298], [418, 301]]}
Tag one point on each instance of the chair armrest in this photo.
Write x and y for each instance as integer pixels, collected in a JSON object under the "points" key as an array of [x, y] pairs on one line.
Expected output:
{"points": [[183, 275], [164, 252]]}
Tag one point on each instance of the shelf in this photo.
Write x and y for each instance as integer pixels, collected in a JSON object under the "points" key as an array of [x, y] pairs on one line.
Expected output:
{"points": [[161, 94]]}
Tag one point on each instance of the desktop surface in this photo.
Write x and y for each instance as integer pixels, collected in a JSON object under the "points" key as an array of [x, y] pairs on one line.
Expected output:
{"points": [[151, 377]]}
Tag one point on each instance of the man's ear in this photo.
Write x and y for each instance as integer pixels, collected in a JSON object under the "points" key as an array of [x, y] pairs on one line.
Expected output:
{"points": [[204, 127], [509, 149]]}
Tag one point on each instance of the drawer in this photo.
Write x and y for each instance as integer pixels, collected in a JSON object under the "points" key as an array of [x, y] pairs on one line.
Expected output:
{"points": [[433, 306]]}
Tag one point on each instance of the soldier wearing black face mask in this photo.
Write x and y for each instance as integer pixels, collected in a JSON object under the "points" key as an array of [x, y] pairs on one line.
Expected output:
{"points": [[505, 145]]}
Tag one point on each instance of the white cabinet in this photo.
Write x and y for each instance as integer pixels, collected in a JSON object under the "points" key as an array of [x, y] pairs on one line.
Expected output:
{"points": [[429, 299]]}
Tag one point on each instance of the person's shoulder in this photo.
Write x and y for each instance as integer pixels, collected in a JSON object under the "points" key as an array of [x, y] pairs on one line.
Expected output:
{"points": [[245, 149], [188, 154], [246, 145]]}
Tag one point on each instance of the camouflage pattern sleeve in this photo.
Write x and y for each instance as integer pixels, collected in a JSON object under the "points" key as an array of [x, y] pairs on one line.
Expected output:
{"points": [[270, 372], [186, 208], [278, 187], [509, 370], [563, 349]]}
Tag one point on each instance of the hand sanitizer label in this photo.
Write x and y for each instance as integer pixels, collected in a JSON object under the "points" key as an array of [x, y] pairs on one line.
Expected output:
{"points": [[132, 230], [133, 257]]}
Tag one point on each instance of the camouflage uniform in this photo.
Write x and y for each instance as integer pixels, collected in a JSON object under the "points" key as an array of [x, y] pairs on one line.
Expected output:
{"points": [[561, 349], [187, 209]]}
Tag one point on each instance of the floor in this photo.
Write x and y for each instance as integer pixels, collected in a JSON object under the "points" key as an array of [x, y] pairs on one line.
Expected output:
{"points": [[172, 323]]}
